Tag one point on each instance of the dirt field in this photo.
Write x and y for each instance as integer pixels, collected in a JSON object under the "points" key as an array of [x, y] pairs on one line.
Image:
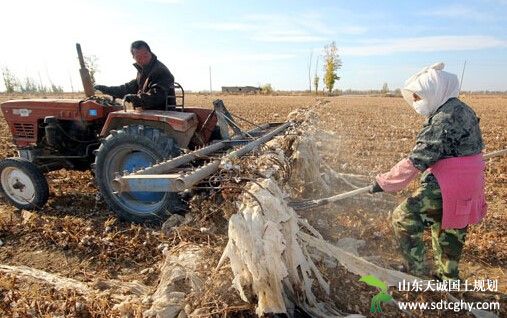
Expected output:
{"points": [[372, 134]]}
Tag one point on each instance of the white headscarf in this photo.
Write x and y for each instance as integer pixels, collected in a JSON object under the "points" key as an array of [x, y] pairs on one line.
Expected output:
{"points": [[433, 85]]}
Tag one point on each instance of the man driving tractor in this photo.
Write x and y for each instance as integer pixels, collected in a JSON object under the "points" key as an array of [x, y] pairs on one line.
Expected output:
{"points": [[152, 86]]}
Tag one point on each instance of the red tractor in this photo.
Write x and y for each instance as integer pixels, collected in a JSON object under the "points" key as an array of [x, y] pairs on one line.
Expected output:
{"points": [[97, 133], [141, 159]]}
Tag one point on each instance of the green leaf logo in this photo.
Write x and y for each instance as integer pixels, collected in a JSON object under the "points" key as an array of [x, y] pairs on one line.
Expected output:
{"points": [[381, 297]]}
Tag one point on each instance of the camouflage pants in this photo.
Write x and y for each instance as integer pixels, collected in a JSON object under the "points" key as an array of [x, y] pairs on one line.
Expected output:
{"points": [[424, 209]]}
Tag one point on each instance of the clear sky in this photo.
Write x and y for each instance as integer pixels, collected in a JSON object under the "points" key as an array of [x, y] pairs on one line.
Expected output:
{"points": [[257, 42]]}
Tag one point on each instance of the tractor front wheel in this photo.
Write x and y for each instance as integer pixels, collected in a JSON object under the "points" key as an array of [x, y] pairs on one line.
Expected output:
{"points": [[130, 149], [23, 184]]}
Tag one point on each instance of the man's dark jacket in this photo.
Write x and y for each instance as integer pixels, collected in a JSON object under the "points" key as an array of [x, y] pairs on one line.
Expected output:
{"points": [[153, 84]]}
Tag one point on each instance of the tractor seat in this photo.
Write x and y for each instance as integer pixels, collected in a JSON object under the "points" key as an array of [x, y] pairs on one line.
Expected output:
{"points": [[176, 97]]}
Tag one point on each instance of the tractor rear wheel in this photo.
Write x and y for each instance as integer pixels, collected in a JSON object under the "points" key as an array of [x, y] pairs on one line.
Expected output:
{"points": [[130, 149], [23, 184]]}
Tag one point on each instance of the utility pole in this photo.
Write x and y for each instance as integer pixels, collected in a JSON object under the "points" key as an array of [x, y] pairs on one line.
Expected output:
{"points": [[309, 72], [462, 74], [210, 87]]}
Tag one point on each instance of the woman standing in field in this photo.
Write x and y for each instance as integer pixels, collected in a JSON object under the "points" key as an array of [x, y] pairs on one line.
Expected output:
{"points": [[448, 151]]}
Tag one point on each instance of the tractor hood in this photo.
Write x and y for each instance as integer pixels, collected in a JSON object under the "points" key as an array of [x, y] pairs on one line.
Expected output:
{"points": [[64, 109]]}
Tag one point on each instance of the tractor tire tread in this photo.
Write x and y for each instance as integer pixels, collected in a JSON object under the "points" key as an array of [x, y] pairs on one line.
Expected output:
{"points": [[152, 138]]}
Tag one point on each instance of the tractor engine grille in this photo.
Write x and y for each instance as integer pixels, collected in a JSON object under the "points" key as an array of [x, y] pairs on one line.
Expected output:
{"points": [[24, 130]]}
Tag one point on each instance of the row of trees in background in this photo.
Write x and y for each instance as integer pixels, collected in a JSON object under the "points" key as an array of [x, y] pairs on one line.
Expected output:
{"points": [[28, 85], [13, 84], [332, 63]]}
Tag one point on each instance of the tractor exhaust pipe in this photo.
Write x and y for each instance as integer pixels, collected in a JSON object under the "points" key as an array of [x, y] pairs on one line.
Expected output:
{"points": [[85, 74]]}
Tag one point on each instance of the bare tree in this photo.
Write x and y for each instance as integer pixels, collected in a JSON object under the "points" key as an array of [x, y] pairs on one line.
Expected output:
{"points": [[385, 89], [28, 85], [92, 66], [316, 78], [267, 88], [10, 80]]}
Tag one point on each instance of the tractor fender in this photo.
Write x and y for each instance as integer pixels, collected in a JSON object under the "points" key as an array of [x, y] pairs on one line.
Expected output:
{"points": [[180, 126]]}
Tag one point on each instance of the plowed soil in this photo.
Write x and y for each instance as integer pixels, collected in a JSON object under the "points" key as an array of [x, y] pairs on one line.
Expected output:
{"points": [[75, 235]]}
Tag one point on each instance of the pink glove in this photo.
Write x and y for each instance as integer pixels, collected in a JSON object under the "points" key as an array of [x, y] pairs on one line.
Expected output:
{"points": [[398, 177]]}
